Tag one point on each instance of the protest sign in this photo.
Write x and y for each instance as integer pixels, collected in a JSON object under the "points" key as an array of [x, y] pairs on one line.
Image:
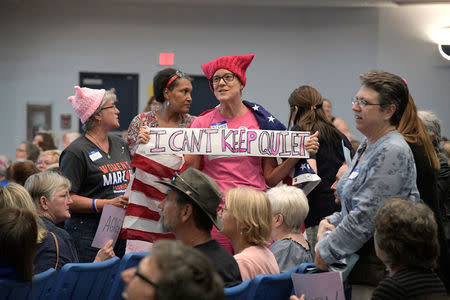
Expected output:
{"points": [[319, 286], [223, 141], [110, 225]]}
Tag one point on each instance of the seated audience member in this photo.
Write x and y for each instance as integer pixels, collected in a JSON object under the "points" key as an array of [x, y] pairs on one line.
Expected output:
{"points": [[173, 271], [44, 141], [18, 234], [48, 159], [50, 193], [19, 171], [289, 210], [406, 241], [27, 151], [337, 122], [247, 219], [5, 162], [15, 195], [69, 137], [189, 211], [339, 175]]}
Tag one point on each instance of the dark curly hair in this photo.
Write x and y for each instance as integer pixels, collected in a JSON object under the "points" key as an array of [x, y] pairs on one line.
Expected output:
{"points": [[407, 232]]}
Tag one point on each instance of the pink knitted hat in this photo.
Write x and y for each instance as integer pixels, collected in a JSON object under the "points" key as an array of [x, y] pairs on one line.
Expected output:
{"points": [[86, 101], [237, 64]]}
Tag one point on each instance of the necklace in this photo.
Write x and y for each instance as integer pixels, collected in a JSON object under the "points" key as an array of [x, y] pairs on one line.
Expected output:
{"points": [[98, 145]]}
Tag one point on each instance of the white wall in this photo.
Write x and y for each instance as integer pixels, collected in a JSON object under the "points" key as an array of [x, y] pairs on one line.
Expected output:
{"points": [[46, 45]]}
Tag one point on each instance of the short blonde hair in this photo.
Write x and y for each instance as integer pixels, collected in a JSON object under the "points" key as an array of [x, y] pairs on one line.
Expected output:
{"points": [[252, 210], [55, 154], [15, 195], [45, 184], [291, 203]]}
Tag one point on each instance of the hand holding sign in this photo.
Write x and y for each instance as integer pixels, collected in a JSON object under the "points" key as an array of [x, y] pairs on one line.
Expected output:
{"points": [[312, 144], [106, 252], [144, 135], [121, 201]]}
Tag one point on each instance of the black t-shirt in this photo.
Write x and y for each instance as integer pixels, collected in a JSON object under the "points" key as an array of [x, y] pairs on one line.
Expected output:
{"points": [[94, 173], [222, 261], [329, 159]]}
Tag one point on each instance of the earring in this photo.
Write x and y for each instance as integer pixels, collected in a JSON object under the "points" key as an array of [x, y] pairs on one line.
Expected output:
{"points": [[168, 104]]}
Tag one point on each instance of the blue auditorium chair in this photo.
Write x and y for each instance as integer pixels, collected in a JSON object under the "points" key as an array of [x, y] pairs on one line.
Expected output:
{"points": [[42, 285], [85, 280], [238, 292], [271, 286], [129, 260]]}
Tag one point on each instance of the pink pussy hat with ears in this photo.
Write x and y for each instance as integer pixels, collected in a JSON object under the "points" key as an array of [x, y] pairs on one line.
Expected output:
{"points": [[86, 101], [237, 64]]}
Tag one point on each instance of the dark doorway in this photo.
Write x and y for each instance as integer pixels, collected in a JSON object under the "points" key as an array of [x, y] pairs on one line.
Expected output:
{"points": [[202, 96], [126, 87]]}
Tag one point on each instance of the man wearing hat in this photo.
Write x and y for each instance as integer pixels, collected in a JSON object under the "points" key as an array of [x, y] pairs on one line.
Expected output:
{"points": [[190, 211]]}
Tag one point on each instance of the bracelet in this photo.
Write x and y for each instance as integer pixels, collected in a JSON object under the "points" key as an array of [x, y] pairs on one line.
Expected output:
{"points": [[93, 205]]}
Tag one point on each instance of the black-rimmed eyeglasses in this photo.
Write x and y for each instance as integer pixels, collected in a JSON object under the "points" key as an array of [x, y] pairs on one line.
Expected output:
{"points": [[226, 78], [362, 102], [141, 276], [111, 106]]}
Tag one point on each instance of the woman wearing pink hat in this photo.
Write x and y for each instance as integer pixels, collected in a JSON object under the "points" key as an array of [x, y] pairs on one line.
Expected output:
{"points": [[227, 80], [98, 167]]}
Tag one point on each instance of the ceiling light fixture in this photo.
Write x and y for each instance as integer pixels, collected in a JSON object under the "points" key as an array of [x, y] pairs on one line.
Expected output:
{"points": [[441, 36]]}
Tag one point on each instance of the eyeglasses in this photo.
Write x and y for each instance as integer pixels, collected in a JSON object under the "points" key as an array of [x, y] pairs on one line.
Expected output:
{"points": [[177, 175], [226, 78], [223, 209], [111, 106], [43, 162], [141, 276], [362, 102]]}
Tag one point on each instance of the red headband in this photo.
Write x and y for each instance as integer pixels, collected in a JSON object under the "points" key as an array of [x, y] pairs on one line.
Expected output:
{"points": [[178, 74], [172, 79]]}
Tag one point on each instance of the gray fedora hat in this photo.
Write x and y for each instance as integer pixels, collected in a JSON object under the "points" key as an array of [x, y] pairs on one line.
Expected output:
{"points": [[201, 189]]}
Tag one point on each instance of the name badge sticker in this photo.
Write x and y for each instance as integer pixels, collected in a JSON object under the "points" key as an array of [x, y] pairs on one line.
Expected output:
{"points": [[354, 174], [95, 155], [220, 125]]}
